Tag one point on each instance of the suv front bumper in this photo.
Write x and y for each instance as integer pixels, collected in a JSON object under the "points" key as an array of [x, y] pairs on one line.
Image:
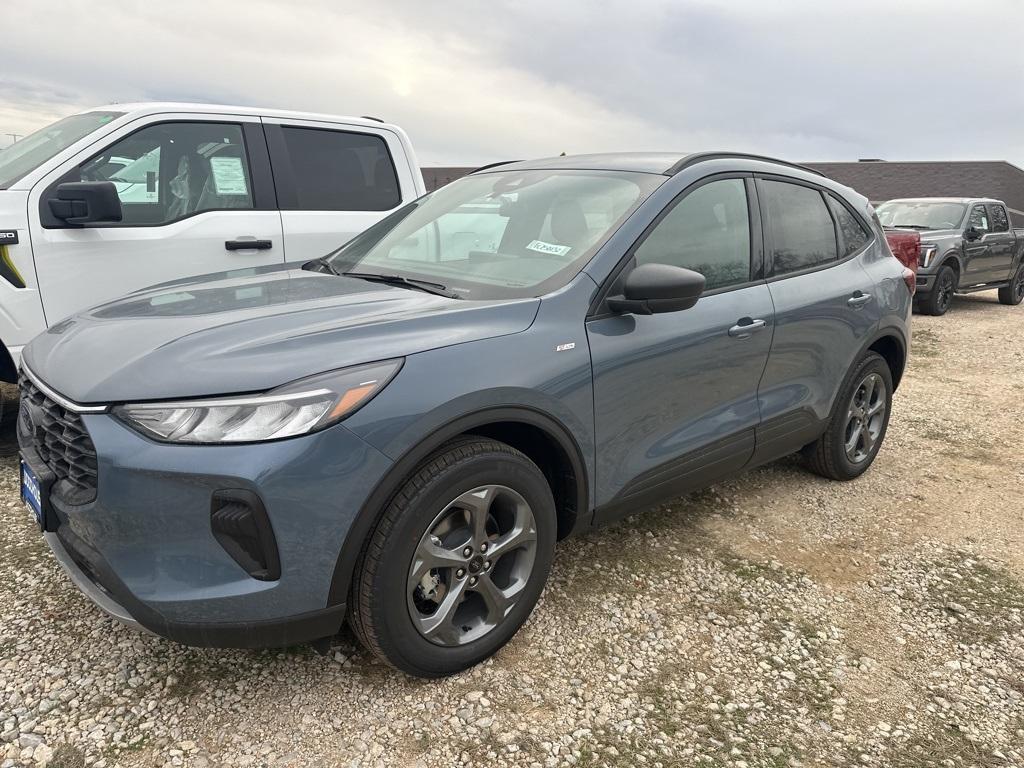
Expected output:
{"points": [[144, 551], [90, 573]]}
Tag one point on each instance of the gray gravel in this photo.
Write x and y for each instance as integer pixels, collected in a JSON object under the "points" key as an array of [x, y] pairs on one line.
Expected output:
{"points": [[775, 620]]}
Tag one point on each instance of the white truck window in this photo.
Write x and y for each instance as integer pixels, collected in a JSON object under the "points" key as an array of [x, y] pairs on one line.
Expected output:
{"points": [[333, 170], [167, 171]]}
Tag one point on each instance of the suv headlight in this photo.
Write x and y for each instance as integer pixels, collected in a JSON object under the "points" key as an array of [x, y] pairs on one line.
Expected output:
{"points": [[927, 253], [295, 409]]}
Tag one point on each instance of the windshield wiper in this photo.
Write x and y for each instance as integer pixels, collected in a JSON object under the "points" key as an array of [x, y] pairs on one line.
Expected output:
{"points": [[322, 264], [423, 285], [911, 226]]}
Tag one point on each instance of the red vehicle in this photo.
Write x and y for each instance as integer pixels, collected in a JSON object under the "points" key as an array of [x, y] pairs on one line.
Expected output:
{"points": [[905, 245]]}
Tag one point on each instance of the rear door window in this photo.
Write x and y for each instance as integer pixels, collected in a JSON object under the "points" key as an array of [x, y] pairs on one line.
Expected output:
{"points": [[800, 228], [319, 169], [1000, 222]]}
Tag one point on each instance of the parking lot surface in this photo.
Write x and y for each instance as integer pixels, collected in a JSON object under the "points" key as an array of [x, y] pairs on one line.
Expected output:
{"points": [[778, 619]]}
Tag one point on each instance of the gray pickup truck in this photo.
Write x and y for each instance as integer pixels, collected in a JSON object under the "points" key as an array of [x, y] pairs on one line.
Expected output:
{"points": [[967, 245]]}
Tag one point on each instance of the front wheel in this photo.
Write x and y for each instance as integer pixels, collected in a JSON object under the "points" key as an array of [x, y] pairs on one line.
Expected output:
{"points": [[1013, 294], [457, 561], [940, 299], [858, 423]]}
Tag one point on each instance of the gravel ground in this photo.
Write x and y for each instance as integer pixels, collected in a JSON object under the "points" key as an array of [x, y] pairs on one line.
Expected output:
{"points": [[774, 620]]}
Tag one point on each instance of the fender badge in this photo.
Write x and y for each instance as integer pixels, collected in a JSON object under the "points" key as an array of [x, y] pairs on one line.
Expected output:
{"points": [[8, 237], [565, 347]]}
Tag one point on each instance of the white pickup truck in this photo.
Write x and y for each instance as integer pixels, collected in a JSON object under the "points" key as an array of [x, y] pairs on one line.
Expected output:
{"points": [[109, 201]]}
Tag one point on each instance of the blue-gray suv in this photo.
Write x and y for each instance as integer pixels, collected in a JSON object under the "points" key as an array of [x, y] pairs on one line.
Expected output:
{"points": [[399, 432]]}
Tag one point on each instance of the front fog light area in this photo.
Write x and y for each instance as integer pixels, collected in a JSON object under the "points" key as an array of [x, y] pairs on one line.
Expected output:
{"points": [[294, 409]]}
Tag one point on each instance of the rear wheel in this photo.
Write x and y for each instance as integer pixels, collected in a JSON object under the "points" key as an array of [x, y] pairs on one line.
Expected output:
{"points": [[1013, 294], [457, 561], [858, 423], [940, 299]]}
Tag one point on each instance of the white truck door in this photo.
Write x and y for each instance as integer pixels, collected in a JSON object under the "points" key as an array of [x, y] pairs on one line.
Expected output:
{"points": [[195, 189], [334, 180]]}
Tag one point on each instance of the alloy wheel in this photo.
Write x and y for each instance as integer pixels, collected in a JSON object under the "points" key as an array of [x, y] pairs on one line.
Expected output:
{"points": [[945, 290], [865, 418], [472, 565], [1018, 286]]}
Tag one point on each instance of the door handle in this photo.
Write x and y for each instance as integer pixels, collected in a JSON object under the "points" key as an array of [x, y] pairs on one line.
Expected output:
{"points": [[858, 299], [245, 245], [745, 328]]}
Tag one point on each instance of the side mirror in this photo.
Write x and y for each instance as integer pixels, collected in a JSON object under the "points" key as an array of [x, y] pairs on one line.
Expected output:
{"points": [[971, 234], [654, 288], [86, 202]]}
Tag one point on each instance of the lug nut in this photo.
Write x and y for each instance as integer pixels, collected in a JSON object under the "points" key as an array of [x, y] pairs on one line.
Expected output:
{"points": [[467, 552], [472, 581], [483, 547], [460, 573], [487, 565]]}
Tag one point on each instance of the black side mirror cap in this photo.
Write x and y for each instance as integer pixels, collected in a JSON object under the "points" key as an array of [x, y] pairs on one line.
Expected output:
{"points": [[655, 288], [86, 202], [972, 234]]}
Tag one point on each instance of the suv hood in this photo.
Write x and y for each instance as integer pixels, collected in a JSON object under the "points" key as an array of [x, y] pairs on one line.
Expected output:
{"points": [[228, 334]]}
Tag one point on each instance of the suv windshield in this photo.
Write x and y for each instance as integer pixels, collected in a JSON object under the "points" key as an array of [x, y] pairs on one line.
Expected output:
{"points": [[36, 148], [508, 234], [921, 215]]}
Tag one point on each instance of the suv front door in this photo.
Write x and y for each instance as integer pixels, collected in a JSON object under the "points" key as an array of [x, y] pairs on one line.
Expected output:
{"points": [[675, 394], [193, 191]]}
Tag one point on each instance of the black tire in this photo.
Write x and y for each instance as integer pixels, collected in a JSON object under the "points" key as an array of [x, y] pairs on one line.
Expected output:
{"points": [[1013, 294], [380, 608], [828, 456], [940, 299]]}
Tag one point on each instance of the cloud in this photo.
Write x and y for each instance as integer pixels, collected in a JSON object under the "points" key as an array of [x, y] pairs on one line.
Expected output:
{"points": [[476, 82]]}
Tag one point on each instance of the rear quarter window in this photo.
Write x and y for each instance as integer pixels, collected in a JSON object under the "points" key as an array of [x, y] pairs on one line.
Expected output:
{"points": [[853, 235]]}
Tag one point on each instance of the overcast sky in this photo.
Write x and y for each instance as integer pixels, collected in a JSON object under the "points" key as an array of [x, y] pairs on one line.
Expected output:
{"points": [[474, 82]]}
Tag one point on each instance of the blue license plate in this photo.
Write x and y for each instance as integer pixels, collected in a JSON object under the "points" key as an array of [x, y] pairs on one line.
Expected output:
{"points": [[30, 492]]}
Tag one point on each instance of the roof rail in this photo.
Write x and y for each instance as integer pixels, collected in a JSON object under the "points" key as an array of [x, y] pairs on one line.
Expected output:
{"points": [[700, 157], [492, 165], [371, 117]]}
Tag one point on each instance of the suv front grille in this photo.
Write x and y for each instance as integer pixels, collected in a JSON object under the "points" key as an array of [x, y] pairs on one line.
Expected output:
{"points": [[62, 442]]}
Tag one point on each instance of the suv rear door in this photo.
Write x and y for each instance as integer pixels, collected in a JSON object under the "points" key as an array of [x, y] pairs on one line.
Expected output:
{"points": [[825, 308], [190, 186], [333, 181], [675, 394]]}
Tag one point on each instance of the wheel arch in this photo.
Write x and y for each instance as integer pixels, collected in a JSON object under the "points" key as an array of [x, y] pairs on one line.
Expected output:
{"points": [[954, 260], [8, 370], [892, 346], [541, 437]]}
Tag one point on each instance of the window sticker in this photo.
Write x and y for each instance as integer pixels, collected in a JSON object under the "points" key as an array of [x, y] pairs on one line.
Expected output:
{"points": [[228, 176], [555, 250]]}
